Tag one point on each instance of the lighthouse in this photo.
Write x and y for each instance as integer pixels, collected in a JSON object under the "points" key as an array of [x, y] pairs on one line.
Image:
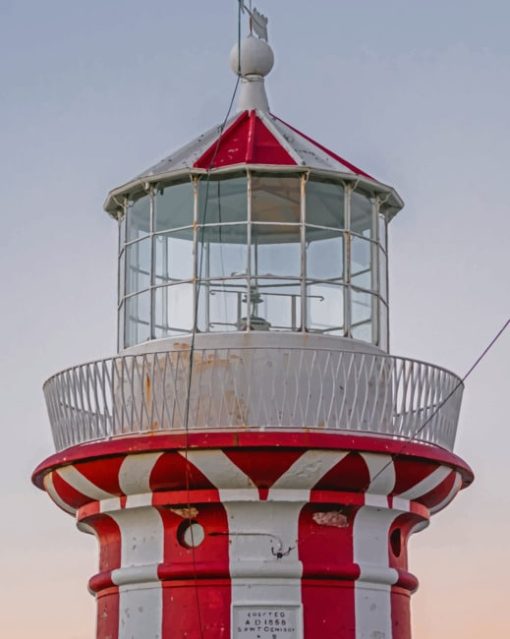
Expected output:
{"points": [[253, 460]]}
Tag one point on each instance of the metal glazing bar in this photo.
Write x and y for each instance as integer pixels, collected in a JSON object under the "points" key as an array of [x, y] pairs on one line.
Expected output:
{"points": [[304, 318], [152, 276], [374, 280], [347, 260], [249, 201], [196, 230]]}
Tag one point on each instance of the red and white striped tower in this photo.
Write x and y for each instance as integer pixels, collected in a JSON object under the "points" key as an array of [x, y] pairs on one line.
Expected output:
{"points": [[253, 461]]}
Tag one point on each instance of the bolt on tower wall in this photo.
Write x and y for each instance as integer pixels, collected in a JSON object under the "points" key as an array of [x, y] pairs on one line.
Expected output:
{"points": [[253, 461]]}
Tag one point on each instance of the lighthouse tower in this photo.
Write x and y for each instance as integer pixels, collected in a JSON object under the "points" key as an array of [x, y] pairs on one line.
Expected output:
{"points": [[253, 461]]}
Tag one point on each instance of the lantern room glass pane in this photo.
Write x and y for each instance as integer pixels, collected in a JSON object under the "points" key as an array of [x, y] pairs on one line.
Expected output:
{"points": [[122, 275], [361, 270], [362, 215], [173, 206], [137, 327], [361, 307], [383, 275], [324, 254], [325, 308], [223, 251], [382, 230], [363, 332], [173, 258], [173, 310], [275, 250], [325, 203], [138, 218], [222, 306], [223, 200], [276, 199], [383, 326], [275, 305], [138, 265]]}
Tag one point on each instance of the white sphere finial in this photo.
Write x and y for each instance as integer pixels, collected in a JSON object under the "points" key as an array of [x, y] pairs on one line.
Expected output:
{"points": [[257, 60], [257, 57]]}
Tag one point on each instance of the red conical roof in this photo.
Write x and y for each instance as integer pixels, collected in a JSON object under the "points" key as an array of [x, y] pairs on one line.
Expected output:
{"points": [[254, 137]]}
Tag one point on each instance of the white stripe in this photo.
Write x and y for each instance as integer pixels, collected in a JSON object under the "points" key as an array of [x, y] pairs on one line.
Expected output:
{"points": [[142, 550], [135, 473], [457, 484], [426, 485], [373, 588], [309, 469], [264, 565], [49, 487], [79, 482], [382, 473], [140, 612], [218, 469]]}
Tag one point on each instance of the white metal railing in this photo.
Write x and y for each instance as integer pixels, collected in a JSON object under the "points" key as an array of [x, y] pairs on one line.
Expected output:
{"points": [[254, 389]]}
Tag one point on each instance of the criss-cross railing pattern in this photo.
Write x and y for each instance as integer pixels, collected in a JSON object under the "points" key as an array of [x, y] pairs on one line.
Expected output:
{"points": [[254, 389]]}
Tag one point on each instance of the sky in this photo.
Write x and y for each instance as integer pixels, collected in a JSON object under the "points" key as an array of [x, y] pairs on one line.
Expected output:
{"points": [[416, 93]]}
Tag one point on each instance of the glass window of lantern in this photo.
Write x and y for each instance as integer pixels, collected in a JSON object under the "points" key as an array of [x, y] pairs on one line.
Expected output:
{"points": [[362, 332], [120, 327], [383, 275], [275, 305], [222, 251], [138, 266], [361, 262], [173, 256], [361, 307], [137, 322], [276, 199], [222, 306], [383, 326], [223, 200], [325, 203], [275, 250], [362, 215], [324, 254], [382, 229], [122, 276], [138, 218], [173, 310], [325, 308], [173, 206]]}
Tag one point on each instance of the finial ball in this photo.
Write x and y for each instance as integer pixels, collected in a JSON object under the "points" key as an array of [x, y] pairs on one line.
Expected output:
{"points": [[257, 57]]}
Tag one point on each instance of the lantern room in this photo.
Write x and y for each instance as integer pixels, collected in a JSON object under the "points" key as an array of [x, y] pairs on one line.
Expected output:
{"points": [[253, 226]]}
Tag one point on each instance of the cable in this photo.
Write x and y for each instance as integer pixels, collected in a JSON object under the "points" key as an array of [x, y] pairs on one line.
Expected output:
{"points": [[202, 219], [414, 435]]}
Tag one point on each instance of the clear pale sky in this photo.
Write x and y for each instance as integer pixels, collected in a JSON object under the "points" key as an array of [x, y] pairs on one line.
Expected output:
{"points": [[415, 92]]}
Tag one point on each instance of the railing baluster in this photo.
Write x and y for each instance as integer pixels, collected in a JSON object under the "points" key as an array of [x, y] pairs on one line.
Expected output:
{"points": [[268, 388]]}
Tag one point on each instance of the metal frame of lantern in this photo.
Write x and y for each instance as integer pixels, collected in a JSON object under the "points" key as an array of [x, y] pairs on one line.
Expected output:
{"points": [[383, 199]]}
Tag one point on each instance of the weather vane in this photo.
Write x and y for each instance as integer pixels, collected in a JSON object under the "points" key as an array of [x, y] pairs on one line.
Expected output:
{"points": [[258, 21]]}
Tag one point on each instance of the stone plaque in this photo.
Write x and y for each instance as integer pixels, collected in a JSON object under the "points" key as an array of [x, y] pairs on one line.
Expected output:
{"points": [[266, 622]]}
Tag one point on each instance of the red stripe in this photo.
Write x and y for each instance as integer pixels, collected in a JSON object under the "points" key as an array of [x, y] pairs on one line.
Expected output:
{"points": [[237, 440], [329, 573], [108, 614], [67, 493], [199, 605], [173, 471], [103, 475], [247, 140]]}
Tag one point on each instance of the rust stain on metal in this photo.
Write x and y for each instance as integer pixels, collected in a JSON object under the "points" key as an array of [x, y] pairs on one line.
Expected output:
{"points": [[186, 513], [334, 518]]}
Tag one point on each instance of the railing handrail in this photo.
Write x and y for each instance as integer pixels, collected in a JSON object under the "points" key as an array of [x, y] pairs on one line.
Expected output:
{"points": [[385, 356]]}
